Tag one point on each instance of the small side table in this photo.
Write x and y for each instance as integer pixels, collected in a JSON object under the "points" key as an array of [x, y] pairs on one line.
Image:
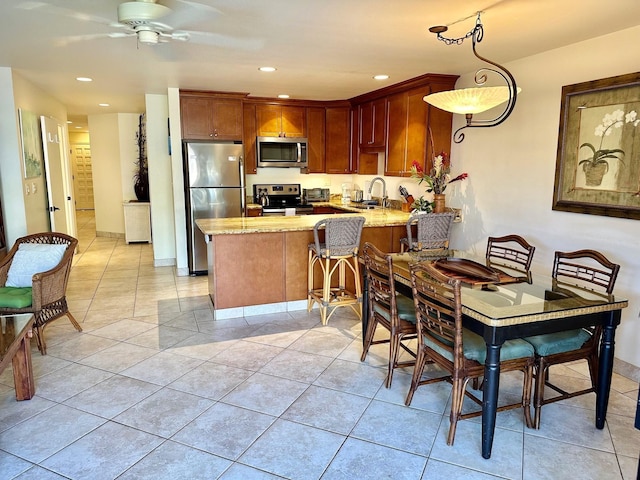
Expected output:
{"points": [[15, 347], [137, 221]]}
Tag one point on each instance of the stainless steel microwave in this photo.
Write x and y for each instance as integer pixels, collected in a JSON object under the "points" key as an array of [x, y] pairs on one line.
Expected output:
{"points": [[282, 152]]}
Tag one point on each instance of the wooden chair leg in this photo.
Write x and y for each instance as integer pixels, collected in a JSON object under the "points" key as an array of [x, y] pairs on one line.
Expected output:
{"points": [[538, 396], [394, 348], [457, 397], [526, 396], [74, 322], [421, 360]]}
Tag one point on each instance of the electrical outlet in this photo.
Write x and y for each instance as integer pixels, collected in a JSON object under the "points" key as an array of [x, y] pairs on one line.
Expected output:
{"points": [[27, 189]]}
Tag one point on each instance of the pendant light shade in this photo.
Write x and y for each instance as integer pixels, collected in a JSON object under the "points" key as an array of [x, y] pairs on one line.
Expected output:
{"points": [[469, 100]]}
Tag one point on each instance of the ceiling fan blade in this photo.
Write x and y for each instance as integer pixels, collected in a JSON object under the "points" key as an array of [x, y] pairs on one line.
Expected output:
{"points": [[186, 13], [199, 6], [66, 12], [63, 42], [225, 41]]}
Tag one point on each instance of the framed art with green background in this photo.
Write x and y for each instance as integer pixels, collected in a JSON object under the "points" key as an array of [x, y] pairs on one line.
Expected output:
{"points": [[598, 161]]}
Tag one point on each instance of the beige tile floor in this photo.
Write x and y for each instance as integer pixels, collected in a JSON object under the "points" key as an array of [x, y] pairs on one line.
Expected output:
{"points": [[154, 388]]}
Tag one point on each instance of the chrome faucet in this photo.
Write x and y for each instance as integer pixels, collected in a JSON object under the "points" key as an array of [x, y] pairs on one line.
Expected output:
{"points": [[384, 190]]}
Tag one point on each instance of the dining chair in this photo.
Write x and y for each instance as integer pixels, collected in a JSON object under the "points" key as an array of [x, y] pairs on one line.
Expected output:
{"points": [[33, 279], [457, 350], [582, 269], [511, 251], [338, 252], [392, 311], [433, 231]]}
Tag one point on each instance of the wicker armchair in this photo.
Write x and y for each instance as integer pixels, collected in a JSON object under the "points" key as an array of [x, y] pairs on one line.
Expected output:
{"points": [[433, 232], [458, 351], [48, 301], [582, 269], [392, 311]]}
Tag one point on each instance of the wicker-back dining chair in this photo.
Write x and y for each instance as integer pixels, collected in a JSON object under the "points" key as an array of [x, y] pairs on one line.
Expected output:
{"points": [[48, 289], [582, 269], [433, 231], [457, 350], [511, 251], [394, 312]]}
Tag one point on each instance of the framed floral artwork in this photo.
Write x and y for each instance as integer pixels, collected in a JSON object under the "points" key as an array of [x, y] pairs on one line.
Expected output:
{"points": [[598, 160], [31, 144]]}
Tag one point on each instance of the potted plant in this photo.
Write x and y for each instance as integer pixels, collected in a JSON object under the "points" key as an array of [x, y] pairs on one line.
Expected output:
{"points": [[597, 165], [436, 181], [141, 175]]}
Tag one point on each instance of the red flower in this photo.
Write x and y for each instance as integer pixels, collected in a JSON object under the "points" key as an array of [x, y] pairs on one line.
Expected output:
{"points": [[417, 166]]}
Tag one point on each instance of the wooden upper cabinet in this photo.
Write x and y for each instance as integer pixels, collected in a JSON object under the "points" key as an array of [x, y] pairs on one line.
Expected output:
{"points": [[338, 132], [281, 121], [249, 138], [372, 122], [211, 118], [316, 139], [407, 130]]}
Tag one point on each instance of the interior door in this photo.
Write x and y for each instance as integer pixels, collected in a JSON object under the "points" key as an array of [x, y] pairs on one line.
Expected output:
{"points": [[82, 176], [53, 142]]}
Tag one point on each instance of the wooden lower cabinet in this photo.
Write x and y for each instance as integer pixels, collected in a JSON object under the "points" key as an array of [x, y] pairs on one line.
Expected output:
{"points": [[263, 268], [243, 271]]}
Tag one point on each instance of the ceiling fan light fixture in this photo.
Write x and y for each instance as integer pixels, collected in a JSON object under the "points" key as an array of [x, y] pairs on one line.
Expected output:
{"points": [[133, 13], [147, 36]]}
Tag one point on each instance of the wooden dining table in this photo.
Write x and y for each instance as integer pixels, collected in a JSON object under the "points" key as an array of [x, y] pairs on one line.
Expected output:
{"points": [[521, 308], [15, 349]]}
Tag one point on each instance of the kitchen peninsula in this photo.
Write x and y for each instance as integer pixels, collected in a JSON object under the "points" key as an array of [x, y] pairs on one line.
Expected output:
{"points": [[259, 264]]}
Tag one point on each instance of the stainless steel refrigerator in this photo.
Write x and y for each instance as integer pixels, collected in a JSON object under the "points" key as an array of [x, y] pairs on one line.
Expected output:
{"points": [[214, 182]]}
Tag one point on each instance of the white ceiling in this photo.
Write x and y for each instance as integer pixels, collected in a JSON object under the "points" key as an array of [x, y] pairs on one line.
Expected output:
{"points": [[323, 49]]}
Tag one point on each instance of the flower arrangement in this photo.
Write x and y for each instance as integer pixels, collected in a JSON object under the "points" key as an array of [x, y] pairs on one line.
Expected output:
{"points": [[597, 165], [437, 180]]}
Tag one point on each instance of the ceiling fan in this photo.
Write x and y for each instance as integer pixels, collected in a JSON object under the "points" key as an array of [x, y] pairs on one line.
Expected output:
{"points": [[151, 23], [140, 18]]}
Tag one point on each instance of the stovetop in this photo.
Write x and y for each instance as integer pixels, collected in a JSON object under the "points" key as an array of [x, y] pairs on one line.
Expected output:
{"points": [[280, 195]]}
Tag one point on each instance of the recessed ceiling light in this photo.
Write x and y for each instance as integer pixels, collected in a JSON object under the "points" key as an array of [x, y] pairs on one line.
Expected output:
{"points": [[283, 95], [84, 79], [78, 126], [103, 105], [267, 69], [381, 77], [69, 121]]}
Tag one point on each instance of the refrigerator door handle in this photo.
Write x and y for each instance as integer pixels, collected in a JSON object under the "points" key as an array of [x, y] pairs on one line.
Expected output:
{"points": [[243, 196]]}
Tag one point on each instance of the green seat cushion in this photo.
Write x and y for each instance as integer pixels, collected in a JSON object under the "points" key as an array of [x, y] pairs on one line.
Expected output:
{"points": [[405, 306], [475, 348], [15, 297], [560, 342]]}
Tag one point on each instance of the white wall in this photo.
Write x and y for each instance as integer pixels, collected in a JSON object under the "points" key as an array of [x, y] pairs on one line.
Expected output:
{"points": [[113, 155], [15, 221], [160, 180], [32, 99], [512, 169]]}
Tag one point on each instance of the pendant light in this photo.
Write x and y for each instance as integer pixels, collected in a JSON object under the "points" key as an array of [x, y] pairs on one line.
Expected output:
{"points": [[469, 101]]}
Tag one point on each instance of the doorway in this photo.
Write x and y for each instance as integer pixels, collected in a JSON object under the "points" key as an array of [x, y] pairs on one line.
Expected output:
{"points": [[82, 175]]}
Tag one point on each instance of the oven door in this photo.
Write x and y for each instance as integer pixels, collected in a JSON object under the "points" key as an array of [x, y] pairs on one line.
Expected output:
{"points": [[273, 212]]}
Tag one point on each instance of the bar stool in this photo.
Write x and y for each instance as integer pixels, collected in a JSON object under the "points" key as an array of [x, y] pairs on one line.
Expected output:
{"points": [[434, 231], [338, 252]]}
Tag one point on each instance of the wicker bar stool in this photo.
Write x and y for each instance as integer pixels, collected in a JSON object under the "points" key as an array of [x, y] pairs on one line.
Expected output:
{"points": [[339, 252], [434, 230]]}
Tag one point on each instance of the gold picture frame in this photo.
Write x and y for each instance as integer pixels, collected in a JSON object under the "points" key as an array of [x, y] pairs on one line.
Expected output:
{"points": [[598, 160]]}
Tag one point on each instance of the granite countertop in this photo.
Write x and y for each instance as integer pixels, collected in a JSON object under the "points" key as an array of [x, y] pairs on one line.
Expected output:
{"points": [[379, 217]]}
